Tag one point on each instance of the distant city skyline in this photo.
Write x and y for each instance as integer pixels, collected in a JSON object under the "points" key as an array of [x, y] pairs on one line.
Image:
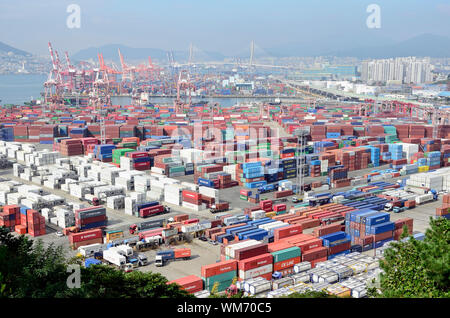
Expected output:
{"points": [[222, 26]]}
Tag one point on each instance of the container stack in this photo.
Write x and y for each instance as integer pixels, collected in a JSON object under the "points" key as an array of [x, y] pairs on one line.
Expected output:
{"points": [[118, 153], [20, 133], [91, 218], [444, 210], [71, 147], [399, 227], [315, 168], [191, 200], [222, 272], [10, 217], [257, 266], [396, 151], [192, 284], [285, 259], [251, 174], [48, 133], [434, 160], [35, 223], [245, 194], [104, 152], [369, 228], [337, 243], [85, 238], [139, 160]]}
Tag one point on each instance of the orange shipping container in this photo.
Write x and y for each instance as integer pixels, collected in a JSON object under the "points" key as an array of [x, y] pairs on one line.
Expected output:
{"points": [[218, 268], [191, 284], [182, 252], [286, 263]]}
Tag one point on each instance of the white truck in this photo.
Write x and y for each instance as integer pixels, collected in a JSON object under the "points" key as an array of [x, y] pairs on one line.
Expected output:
{"points": [[112, 256], [90, 250], [125, 250]]}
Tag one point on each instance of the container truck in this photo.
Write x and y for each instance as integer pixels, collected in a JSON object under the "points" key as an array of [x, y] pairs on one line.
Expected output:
{"points": [[112, 256], [90, 250], [267, 188], [149, 242], [135, 228], [162, 257], [125, 250]]}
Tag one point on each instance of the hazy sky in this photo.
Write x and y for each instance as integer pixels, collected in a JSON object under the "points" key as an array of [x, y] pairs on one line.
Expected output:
{"points": [[227, 26]]}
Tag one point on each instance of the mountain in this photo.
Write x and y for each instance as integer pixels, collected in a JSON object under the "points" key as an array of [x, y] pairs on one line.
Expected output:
{"points": [[110, 52], [368, 45], [7, 48], [422, 45]]}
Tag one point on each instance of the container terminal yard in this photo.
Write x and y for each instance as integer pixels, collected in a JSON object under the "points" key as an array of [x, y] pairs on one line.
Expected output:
{"points": [[302, 192]]}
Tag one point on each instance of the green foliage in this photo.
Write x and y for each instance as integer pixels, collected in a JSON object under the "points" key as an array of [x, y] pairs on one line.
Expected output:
{"points": [[417, 268], [30, 270], [312, 294]]}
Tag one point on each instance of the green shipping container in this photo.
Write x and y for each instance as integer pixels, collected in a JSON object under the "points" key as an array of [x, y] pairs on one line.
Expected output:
{"points": [[221, 287], [243, 197], [225, 277], [285, 254]]}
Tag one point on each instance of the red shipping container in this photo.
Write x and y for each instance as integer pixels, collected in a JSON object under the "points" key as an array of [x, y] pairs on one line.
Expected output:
{"points": [[255, 262], [76, 245], [319, 260], [286, 263], [181, 217], [186, 194], [151, 210], [309, 245], [327, 229], [216, 223], [383, 236], [90, 220], [191, 284], [84, 236], [182, 252], [279, 207], [287, 231], [338, 248], [218, 268], [278, 246], [251, 251], [314, 254], [191, 221]]}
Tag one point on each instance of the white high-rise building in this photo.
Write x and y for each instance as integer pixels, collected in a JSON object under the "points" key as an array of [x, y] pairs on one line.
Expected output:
{"points": [[405, 69]]}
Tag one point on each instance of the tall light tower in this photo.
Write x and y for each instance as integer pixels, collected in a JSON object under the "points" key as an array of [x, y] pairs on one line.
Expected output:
{"points": [[252, 52]]}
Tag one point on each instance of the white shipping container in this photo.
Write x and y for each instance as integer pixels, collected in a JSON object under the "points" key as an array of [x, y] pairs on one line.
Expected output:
{"points": [[266, 269]]}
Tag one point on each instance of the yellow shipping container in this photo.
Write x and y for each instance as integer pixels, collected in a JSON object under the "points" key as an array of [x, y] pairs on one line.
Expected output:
{"points": [[270, 214], [113, 235]]}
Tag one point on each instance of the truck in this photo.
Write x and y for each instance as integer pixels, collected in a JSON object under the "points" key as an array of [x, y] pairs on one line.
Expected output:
{"points": [[90, 250], [432, 195], [162, 257], [147, 225], [125, 250], [93, 200], [394, 204], [267, 188], [154, 210], [112, 256], [220, 207], [320, 199], [148, 243]]}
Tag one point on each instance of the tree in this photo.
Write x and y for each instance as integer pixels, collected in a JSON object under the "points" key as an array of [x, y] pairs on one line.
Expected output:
{"points": [[312, 294], [28, 269], [417, 268]]}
